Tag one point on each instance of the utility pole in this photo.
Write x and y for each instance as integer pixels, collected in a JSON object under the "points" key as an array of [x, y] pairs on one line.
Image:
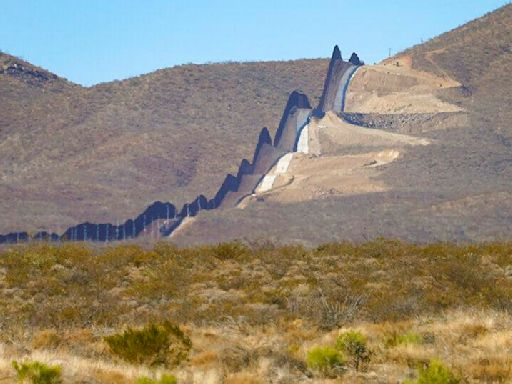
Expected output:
{"points": [[389, 52]]}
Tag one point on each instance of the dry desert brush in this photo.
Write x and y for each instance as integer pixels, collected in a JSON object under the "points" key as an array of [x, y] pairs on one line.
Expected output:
{"points": [[155, 344]]}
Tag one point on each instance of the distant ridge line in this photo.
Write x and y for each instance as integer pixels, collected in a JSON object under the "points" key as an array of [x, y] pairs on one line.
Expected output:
{"points": [[234, 187]]}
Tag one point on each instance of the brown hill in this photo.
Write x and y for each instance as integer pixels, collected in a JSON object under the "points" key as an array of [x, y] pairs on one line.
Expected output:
{"points": [[69, 154], [478, 55], [454, 91]]}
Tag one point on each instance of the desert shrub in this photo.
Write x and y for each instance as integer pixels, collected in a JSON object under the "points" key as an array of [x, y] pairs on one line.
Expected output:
{"points": [[165, 249], [46, 339], [157, 280], [335, 310], [381, 248], [437, 373], [354, 344], [327, 361], [330, 249], [164, 344], [124, 254], [410, 338], [233, 250], [394, 339], [237, 357], [165, 379], [77, 284], [37, 373]]}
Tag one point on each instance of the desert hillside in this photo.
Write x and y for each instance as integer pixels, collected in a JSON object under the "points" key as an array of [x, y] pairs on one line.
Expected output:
{"points": [[452, 95], [70, 154], [478, 55]]}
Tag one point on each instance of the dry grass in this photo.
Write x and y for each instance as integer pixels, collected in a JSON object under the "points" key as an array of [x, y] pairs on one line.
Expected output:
{"points": [[472, 343], [254, 312], [73, 285], [76, 368]]}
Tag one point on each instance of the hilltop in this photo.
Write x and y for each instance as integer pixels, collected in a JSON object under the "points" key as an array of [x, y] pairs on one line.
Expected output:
{"points": [[479, 56]]}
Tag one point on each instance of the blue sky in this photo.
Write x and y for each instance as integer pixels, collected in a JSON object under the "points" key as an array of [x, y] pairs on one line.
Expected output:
{"points": [[92, 41]]}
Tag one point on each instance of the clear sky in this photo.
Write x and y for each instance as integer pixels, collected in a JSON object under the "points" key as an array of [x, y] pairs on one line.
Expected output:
{"points": [[92, 41]]}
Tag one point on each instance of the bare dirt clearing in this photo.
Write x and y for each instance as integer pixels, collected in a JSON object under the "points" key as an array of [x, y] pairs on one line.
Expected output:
{"points": [[344, 166], [393, 87], [337, 135], [315, 177]]}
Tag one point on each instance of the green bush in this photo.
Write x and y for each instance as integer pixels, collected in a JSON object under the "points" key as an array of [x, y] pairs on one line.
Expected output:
{"points": [[164, 344], [326, 361], [409, 338], [165, 379], [354, 344], [435, 373], [37, 373]]}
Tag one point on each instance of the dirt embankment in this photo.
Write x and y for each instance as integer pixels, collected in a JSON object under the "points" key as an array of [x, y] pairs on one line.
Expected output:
{"points": [[393, 87], [343, 156], [347, 162]]}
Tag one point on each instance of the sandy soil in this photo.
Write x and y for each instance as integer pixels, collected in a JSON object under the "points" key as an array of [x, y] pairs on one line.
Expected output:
{"points": [[317, 177], [314, 176], [342, 135], [314, 139], [184, 224], [281, 167], [393, 87]]}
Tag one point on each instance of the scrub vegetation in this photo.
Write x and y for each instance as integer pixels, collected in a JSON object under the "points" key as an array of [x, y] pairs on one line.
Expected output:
{"points": [[168, 135], [236, 312]]}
